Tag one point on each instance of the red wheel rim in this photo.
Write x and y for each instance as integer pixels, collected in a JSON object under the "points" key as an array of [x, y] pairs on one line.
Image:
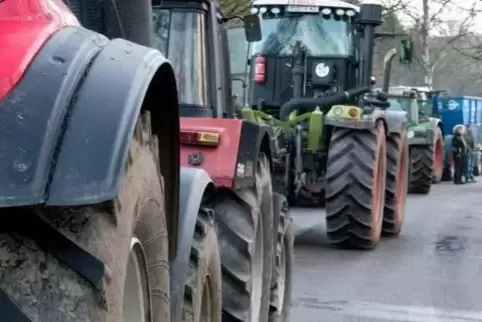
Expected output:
{"points": [[401, 182], [378, 181], [438, 157]]}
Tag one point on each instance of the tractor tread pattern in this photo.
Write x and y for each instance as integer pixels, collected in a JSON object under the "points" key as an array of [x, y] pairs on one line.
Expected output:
{"points": [[203, 224], [349, 181], [421, 169], [236, 233], [390, 225]]}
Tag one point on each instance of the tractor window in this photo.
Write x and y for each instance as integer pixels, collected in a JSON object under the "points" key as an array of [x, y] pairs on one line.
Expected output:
{"points": [[396, 105], [320, 36], [180, 35]]}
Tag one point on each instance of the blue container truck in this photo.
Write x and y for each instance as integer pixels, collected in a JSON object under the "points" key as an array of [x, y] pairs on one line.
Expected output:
{"points": [[456, 110]]}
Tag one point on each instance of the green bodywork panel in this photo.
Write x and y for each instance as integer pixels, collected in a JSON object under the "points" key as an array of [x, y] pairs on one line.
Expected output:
{"points": [[313, 122]]}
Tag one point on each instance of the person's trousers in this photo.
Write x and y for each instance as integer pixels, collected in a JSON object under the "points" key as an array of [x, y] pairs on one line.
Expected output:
{"points": [[458, 167], [469, 166]]}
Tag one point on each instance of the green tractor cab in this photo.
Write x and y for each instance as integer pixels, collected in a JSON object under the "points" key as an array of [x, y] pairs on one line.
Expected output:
{"points": [[337, 143], [425, 138]]}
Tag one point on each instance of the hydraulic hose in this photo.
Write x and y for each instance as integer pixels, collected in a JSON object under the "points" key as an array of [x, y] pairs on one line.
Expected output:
{"points": [[309, 104]]}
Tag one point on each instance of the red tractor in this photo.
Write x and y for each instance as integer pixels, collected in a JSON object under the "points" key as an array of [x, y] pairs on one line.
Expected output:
{"points": [[112, 209]]}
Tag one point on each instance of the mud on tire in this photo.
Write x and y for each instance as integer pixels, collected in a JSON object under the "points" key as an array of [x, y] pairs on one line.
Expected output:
{"points": [[421, 165], [47, 290], [355, 189], [396, 184], [281, 287], [202, 293], [244, 219]]}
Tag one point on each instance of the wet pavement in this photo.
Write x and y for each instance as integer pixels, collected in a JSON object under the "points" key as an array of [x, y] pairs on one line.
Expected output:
{"points": [[431, 273]]}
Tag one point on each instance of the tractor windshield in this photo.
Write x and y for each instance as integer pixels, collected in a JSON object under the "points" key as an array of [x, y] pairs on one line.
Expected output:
{"points": [[321, 36], [180, 35], [406, 104]]}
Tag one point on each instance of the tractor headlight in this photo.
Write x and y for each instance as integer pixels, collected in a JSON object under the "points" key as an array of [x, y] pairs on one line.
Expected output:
{"points": [[338, 111], [410, 134]]}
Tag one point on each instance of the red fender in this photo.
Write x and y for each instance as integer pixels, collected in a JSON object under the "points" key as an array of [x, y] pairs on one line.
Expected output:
{"points": [[26, 25]]}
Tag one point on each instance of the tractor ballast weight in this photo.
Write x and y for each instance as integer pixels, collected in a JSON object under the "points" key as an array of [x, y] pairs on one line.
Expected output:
{"points": [[326, 122]]}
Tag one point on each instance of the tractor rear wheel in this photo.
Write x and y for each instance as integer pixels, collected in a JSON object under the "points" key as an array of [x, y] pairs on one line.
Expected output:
{"points": [[51, 278], [244, 218], [439, 155], [355, 192], [421, 168], [283, 277], [397, 183]]}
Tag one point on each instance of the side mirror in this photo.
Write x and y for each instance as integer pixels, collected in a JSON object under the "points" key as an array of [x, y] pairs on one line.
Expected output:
{"points": [[252, 28], [406, 51]]}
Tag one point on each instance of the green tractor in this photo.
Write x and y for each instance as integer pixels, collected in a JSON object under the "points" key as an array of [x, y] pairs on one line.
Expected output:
{"points": [[336, 143], [425, 138]]}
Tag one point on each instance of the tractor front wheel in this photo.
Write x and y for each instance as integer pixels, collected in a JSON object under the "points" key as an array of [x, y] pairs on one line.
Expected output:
{"points": [[397, 183], [355, 192]]}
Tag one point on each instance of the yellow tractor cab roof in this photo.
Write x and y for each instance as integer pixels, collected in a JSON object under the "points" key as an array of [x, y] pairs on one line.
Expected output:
{"points": [[338, 4]]}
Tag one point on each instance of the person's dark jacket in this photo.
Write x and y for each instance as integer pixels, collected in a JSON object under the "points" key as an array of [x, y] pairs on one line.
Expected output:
{"points": [[469, 140], [458, 144]]}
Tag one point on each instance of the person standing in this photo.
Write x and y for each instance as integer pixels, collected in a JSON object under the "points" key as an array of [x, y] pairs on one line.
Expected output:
{"points": [[470, 155], [458, 152]]}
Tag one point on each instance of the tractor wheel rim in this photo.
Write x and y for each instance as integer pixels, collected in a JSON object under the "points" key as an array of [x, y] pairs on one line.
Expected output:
{"points": [[281, 278], [257, 266], [136, 304], [207, 303], [438, 166], [401, 183], [377, 201]]}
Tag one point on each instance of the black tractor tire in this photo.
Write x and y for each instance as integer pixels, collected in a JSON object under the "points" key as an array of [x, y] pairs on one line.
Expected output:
{"points": [[46, 289], [439, 156], [355, 189], [244, 219], [421, 164], [398, 164], [282, 285], [202, 293]]}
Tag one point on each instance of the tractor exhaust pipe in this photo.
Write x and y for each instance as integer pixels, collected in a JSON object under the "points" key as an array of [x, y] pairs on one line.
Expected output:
{"points": [[369, 18], [387, 68], [298, 70]]}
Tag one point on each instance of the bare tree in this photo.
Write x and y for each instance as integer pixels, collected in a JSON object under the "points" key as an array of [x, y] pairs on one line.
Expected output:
{"points": [[435, 28]]}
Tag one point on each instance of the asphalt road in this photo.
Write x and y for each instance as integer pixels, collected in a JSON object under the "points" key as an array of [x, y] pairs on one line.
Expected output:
{"points": [[431, 273]]}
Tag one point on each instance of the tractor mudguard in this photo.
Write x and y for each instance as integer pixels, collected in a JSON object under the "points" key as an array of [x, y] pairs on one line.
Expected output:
{"points": [[32, 114], [426, 138], [366, 121], [396, 121], [194, 184], [65, 129], [231, 162], [90, 164]]}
